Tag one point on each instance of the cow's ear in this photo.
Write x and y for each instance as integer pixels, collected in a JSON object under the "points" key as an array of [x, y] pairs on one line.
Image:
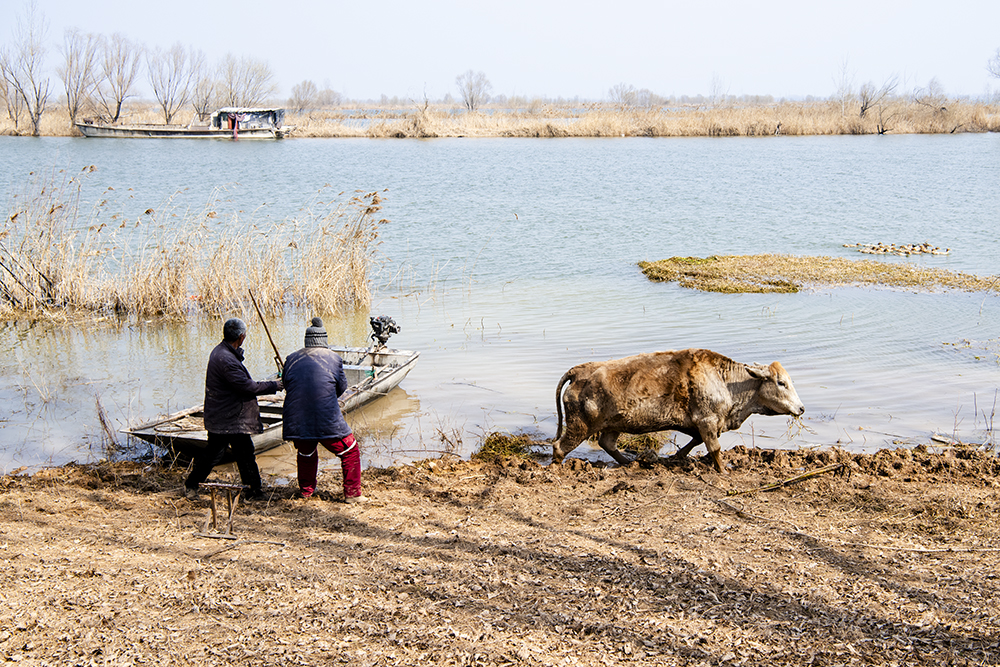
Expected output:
{"points": [[758, 371]]}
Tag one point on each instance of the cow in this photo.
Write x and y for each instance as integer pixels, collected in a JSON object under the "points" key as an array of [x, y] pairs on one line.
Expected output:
{"points": [[699, 393]]}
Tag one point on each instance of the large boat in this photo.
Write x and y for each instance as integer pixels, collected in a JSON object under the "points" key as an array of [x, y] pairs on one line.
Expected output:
{"points": [[371, 373], [226, 123]]}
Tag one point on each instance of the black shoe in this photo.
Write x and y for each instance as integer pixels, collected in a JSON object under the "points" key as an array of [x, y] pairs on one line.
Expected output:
{"points": [[253, 495]]}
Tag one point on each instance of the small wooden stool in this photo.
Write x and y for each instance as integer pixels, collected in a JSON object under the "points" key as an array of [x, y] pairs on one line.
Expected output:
{"points": [[233, 492]]}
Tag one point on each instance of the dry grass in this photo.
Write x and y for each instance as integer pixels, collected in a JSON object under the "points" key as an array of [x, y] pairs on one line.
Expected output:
{"points": [[55, 121], [902, 115], [786, 273], [788, 118], [165, 265], [643, 443], [892, 560]]}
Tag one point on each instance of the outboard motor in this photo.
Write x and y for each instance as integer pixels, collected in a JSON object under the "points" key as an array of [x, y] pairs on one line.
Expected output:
{"points": [[383, 326]]}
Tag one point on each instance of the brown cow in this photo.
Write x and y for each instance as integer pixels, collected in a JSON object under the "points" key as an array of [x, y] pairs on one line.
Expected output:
{"points": [[697, 392]]}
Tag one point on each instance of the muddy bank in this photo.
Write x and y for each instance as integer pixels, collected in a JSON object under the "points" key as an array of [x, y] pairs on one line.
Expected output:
{"points": [[890, 559]]}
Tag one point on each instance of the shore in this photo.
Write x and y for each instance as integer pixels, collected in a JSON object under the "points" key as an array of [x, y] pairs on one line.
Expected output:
{"points": [[888, 559], [551, 120]]}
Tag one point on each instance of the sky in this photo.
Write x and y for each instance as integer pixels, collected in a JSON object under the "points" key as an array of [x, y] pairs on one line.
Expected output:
{"points": [[559, 49]]}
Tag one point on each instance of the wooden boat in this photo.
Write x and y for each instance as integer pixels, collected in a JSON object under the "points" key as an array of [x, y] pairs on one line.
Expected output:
{"points": [[371, 373], [225, 123]]}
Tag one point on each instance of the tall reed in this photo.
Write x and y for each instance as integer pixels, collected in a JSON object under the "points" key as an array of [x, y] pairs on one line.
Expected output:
{"points": [[899, 115], [164, 265]]}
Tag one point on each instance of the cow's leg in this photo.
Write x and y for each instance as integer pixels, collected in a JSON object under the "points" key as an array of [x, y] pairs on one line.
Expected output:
{"points": [[686, 449], [609, 443], [714, 449]]}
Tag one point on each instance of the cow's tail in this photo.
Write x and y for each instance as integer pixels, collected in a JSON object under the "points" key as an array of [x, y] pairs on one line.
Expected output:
{"points": [[566, 378]]}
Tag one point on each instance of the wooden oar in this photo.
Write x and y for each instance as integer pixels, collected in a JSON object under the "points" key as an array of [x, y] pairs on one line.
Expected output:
{"points": [[277, 355]]}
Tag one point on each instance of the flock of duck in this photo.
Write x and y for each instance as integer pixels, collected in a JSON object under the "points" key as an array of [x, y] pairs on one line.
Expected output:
{"points": [[902, 250]]}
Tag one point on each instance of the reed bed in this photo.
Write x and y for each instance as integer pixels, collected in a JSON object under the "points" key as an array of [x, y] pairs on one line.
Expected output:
{"points": [[901, 115], [170, 265], [55, 121], [786, 273], [788, 118]]}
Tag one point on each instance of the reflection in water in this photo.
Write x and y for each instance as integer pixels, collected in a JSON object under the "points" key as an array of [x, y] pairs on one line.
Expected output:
{"points": [[376, 426], [55, 373]]}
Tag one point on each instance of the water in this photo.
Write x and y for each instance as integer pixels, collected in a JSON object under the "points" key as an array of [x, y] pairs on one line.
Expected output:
{"points": [[511, 260]]}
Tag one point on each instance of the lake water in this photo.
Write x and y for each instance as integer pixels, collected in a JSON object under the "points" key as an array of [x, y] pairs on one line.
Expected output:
{"points": [[510, 260]]}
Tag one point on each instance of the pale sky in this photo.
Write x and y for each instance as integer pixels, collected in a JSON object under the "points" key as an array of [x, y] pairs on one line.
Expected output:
{"points": [[408, 48]]}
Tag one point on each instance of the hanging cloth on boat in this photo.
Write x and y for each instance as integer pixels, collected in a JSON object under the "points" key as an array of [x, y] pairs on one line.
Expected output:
{"points": [[234, 119]]}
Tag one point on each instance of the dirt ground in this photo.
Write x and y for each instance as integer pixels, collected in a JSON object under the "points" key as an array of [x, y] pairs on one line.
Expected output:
{"points": [[892, 559]]}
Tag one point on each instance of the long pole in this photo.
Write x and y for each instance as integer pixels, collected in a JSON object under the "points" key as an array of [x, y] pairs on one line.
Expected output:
{"points": [[277, 355]]}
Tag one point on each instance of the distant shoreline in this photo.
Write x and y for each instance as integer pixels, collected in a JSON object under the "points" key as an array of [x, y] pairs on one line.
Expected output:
{"points": [[596, 120]]}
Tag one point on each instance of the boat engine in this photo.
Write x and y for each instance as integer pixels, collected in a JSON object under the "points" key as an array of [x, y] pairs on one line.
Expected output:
{"points": [[383, 326]]}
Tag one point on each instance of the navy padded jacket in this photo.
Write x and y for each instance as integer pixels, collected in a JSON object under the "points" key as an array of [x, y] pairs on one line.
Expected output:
{"points": [[231, 394], [314, 379]]}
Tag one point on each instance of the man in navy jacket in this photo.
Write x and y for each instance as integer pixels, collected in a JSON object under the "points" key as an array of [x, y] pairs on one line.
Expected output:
{"points": [[231, 412], [314, 379]]}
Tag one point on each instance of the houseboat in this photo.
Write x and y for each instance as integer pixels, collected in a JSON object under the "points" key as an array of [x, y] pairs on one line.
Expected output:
{"points": [[225, 123]]}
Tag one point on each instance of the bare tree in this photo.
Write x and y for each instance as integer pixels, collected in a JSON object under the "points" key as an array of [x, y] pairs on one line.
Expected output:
{"points": [[646, 99], [78, 69], [12, 101], [845, 86], [304, 96], [170, 74], [120, 66], [245, 82], [993, 65], [932, 96], [474, 89], [720, 90], [871, 96], [203, 86], [328, 98], [622, 95], [22, 69]]}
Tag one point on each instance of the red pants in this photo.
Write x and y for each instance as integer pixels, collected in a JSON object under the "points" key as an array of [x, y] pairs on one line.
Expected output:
{"points": [[350, 463]]}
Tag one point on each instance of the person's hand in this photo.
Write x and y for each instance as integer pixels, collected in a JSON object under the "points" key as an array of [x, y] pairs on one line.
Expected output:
{"points": [[281, 385]]}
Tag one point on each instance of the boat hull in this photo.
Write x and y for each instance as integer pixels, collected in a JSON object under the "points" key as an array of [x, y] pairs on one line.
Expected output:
{"points": [[174, 132], [370, 375]]}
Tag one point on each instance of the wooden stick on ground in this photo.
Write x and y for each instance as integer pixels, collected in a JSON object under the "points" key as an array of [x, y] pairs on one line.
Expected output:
{"points": [[790, 480]]}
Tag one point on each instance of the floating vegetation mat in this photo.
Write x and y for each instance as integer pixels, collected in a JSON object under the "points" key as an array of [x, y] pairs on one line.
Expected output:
{"points": [[903, 250], [786, 273], [980, 350], [501, 446]]}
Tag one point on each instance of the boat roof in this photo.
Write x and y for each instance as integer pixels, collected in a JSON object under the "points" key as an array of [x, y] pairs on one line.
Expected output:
{"points": [[248, 109]]}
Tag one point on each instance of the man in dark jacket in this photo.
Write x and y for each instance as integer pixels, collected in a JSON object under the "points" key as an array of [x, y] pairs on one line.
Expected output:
{"points": [[231, 412], [314, 379]]}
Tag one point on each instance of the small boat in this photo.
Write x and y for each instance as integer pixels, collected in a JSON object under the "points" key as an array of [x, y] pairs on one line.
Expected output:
{"points": [[226, 123], [371, 373]]}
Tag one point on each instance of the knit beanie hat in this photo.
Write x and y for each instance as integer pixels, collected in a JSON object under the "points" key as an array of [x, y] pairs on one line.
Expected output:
{"points": [[316, 334]]}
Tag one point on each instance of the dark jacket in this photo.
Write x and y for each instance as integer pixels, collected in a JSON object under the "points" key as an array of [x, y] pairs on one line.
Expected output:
{"points": [[314, 379], [231, 394]]}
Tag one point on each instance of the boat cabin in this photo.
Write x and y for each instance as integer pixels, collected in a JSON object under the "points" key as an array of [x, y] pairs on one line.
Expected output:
{"points": [[244, 118]]}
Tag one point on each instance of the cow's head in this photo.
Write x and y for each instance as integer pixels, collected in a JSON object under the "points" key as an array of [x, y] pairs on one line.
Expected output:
{"points": [[776, 392]]}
